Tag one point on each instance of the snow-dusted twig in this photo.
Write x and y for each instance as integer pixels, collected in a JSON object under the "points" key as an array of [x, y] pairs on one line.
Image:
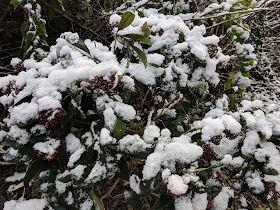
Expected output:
{"points": [[236, 12]]}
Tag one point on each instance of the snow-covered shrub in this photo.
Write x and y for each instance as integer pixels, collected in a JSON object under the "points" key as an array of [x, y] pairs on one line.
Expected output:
{"points": [[83, 111]]}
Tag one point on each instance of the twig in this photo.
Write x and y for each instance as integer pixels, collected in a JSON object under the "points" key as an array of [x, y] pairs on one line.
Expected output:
{"points": [[163, 111], [236, 12], [225, 21], [143, 101], [75, 22], [111, 189], [6, 163]]}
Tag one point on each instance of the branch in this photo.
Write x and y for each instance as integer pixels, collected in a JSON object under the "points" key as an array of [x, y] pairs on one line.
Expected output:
{"points": [[236, 12], [75, 22]]}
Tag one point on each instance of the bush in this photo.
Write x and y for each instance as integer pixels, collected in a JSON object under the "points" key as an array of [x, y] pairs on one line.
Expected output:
{"points": [[82, 113]]}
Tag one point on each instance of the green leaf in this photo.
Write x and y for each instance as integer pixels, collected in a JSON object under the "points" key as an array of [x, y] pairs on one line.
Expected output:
{"points": [[126, 97], [126, 20], [88, 157], [80, 44], [116, 81], [186, 106], [24, 28], [140, 14], [229, 91], [271, 171], [15, 3], [196, 137], [79, 124], [41, 28], [163, 202], [35, 168], [97, 202], [146, 29], [86, 102], [25, 99], [139, 38], [123, 174], [50, 13], [119, 129], [37, 138], [27, 41], [141, 55]]}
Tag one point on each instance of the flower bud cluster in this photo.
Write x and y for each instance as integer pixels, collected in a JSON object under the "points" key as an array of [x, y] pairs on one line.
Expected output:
{"points": [[208, 153], [49, 119], [253, 200], [210, 203], [270, 189], [19, 67], [230, 135], [100, 83], [216, 139], [156, 101], [11, 89]]}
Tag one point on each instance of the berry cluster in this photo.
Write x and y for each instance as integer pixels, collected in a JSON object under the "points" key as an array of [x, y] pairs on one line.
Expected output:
{"points": [[164, 183], [46, 156], [156, 101], [230, 135], [100, 83], [216, 139], [270, 189], [11, 89], [252, 200], [19, 67], [208, 153], [51, 118], [210, 203]]}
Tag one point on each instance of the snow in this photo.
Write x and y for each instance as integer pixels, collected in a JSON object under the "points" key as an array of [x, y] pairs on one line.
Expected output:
{"points": [[97, 173], [78, 171], [198, 202], [210, 40], [221, 200], [87, 204], [176, 185], [237, 162], [211, 128], [155, 58], [183, 203], [16, 177], [75, 156], [255, 183], [124, 111], [23, 112], [231, 124], [69, 200], [72, 143], [134, 182], [105, 137], [110, 118], [250, 142], [227, 159], [169, 151], [34, 204], [150, 133], [48, 147], [132, 144], [15, 61], [21, 136]]}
